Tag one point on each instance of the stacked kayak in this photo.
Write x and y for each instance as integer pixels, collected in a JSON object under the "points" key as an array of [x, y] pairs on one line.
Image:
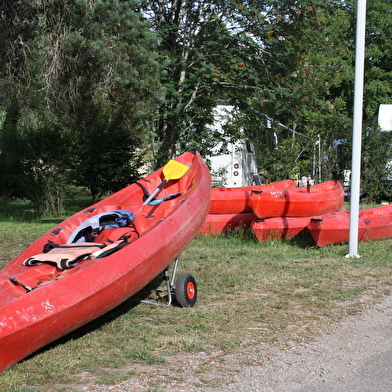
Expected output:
{"points": [[286, 213], [230, 207], [101, 256], [373, 224], [237, 200], [300, 202]]}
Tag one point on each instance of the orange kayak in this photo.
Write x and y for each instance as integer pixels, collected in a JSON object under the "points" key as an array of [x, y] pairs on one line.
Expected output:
{"points": [[236, 200], [279, 228], [299, 202], [373, 224]]}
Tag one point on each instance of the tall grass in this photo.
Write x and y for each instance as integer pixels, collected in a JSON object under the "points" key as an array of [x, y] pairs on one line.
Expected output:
{"points": [[250, 294]]}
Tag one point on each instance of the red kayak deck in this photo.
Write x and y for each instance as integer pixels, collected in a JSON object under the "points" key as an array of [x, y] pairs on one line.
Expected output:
{"points": [[46, 303], [236, 200], [373, 224], [321, 199]]}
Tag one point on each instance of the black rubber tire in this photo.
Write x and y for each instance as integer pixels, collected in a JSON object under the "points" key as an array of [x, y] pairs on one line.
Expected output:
{"points": [[186, 290]]}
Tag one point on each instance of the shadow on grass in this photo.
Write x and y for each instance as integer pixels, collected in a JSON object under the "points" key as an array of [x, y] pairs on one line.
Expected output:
{"points": [[101, 321], [302, 240]]}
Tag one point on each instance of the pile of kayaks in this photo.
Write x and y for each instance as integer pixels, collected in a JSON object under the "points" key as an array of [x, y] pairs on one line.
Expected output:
{"points": [[284, 210], [287, 213], [231, 207]]}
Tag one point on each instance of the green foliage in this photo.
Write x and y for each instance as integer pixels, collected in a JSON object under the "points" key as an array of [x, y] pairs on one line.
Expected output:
{"points": [[281, 58], [278, 165], [105, 160], [156, 70], [35, 162], [310, 62], [104, 62], [376, 155], [205, 59], [378, 64], [82, 64]]}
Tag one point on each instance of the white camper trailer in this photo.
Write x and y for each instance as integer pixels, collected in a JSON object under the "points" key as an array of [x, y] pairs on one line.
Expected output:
{"points": [[385, 123], [385, 117], [236, 166]]}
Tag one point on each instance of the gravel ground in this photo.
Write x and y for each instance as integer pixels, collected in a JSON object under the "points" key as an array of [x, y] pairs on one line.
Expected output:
{"points": [[355, 356]]}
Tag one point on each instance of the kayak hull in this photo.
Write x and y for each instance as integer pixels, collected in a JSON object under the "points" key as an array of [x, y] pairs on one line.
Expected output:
{"points": [[321, 199], [279, 228], [219, 223], [373, 224]]}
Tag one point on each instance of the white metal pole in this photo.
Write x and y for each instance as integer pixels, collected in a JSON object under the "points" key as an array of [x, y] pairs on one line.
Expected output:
{"points": [[357, 129], [319, 152]]}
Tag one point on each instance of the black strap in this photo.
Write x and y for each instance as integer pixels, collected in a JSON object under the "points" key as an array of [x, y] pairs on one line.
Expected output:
{"points": [[146, 194]]}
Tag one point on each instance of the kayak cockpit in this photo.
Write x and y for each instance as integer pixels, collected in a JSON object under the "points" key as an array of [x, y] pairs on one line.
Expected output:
{"points": [[43, 268]]}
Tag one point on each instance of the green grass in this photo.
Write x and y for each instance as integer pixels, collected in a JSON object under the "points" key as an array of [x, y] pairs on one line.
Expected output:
{"points": [[277, 292]]}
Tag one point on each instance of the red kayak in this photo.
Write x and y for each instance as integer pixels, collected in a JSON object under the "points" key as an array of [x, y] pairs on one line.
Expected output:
{"points": [[101, 256], [373, 224], [236, 200], [219, 223], [279, 228], [300, 202]]}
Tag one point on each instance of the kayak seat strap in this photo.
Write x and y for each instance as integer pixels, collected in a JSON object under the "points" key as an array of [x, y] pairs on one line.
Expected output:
{"points": [[70, 255]]}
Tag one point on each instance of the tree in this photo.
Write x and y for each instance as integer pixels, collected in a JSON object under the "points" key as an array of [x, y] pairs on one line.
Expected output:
{"points": [[252, 53], [378, 64], [375, 166], [17, 23], [73, 65], [205, 51], [97, 62], [35, 165], [104, 161]]}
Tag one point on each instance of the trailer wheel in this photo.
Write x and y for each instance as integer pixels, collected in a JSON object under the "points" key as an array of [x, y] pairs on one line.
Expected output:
{"points": [[186, 290]]}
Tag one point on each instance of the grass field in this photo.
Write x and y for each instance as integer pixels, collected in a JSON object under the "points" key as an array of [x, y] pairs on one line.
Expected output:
{"points": [[249, 294]]}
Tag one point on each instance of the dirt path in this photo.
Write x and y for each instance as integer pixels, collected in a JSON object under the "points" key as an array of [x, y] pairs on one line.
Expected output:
{"points": [[355, 356]]}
